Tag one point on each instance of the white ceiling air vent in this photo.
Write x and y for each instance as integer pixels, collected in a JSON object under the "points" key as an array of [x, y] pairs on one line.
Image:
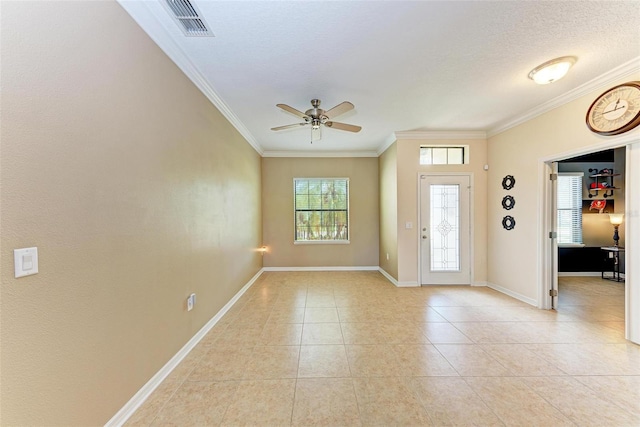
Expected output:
{"points": [[188, 17]]}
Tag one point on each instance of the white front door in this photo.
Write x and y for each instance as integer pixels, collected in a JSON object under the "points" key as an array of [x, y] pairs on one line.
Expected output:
{"points": [[444, 230]]}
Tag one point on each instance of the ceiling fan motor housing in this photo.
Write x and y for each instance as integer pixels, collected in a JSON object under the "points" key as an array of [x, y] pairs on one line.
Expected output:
{"points": [[316, 113]]}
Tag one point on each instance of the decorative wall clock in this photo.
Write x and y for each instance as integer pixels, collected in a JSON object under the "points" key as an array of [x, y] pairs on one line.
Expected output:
{"points": [[615, 111]]}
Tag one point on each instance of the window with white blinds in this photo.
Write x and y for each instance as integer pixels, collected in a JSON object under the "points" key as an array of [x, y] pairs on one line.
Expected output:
{"points": [[569, 202]]}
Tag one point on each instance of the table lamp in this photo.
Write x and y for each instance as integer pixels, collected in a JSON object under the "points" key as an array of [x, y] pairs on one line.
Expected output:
{"points": [[616, 220]]}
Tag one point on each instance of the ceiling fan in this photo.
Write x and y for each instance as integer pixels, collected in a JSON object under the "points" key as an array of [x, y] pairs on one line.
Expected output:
{"points": [[316, 117]]}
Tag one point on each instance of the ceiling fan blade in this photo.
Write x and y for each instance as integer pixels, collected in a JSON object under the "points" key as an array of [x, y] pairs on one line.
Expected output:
{"points": [[339, 109], [343, 126], [295, 125], [292, 110]]}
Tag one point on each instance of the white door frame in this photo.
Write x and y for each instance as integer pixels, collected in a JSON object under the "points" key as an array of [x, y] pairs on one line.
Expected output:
{"points": [[471, 221], [546, 268], [553, 237]]}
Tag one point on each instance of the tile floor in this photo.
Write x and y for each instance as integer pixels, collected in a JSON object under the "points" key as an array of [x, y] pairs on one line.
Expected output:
{"points": [[350, 349]]}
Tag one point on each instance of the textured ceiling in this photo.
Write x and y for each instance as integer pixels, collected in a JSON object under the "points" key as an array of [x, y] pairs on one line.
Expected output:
{"points": [[431, 65]]}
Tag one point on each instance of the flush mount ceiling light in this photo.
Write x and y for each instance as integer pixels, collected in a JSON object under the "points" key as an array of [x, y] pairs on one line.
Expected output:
{"points": [[552, 70]]}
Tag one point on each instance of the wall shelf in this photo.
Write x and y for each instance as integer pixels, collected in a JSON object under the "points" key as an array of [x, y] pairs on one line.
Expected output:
{"points": [[601, 182]]}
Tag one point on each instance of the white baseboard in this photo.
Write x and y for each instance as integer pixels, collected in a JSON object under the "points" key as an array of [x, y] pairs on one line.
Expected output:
{"points": [[480, 283], [408, 285], [585, 274], [395, 282], [336, 268], [579, 274], [388, 276], [138, 399], [513, 294]]}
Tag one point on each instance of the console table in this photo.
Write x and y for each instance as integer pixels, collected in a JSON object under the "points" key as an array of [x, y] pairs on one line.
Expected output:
{"points": [[612, 253]]}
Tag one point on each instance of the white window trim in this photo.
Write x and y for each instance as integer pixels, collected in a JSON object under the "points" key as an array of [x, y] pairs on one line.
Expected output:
{"points": [[323, 242]]}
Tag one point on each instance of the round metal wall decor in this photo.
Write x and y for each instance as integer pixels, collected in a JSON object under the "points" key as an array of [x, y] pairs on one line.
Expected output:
{"points": [[508, 202], [508, 182], [508, 222]]}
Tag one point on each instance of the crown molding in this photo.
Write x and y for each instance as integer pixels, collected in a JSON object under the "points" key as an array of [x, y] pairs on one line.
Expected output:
{"points": [[442, 134], [600, 82], [138, 10], [386, 144], [319, 154]]}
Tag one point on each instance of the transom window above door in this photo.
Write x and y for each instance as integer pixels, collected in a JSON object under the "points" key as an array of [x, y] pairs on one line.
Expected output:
{"points": [[444, 155]]}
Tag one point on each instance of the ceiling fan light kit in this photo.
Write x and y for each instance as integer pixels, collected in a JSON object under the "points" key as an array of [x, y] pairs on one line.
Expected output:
{"points": [[553, 70], [317, 117]]}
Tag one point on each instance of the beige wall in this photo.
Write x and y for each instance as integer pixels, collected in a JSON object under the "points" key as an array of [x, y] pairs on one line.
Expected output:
{"points": [[136, 192], [388, 171], [513, 255], [277, 212], [408, 169]]}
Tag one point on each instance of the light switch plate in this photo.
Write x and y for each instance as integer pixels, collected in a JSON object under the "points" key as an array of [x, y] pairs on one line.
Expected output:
{"points": [[25, 261], [191, 301]]}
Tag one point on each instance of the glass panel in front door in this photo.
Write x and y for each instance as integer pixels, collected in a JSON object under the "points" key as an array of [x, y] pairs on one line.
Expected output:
{"points": [[445, 227]]}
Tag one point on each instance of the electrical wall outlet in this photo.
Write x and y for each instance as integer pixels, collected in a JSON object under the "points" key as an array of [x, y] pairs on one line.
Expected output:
{"points": [[387, 256], [191, 301]]}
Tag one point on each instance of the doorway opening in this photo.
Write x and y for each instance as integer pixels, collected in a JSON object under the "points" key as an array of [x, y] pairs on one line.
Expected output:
{"points": [[559, 262], [591, 266]]}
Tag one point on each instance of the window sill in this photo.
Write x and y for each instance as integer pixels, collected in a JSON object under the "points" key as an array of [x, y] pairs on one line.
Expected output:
{"points": [[321, 242], [571, 245]]}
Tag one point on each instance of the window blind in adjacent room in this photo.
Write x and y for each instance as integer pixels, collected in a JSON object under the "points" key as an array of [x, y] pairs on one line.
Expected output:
{"points": [[569, 201]]}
